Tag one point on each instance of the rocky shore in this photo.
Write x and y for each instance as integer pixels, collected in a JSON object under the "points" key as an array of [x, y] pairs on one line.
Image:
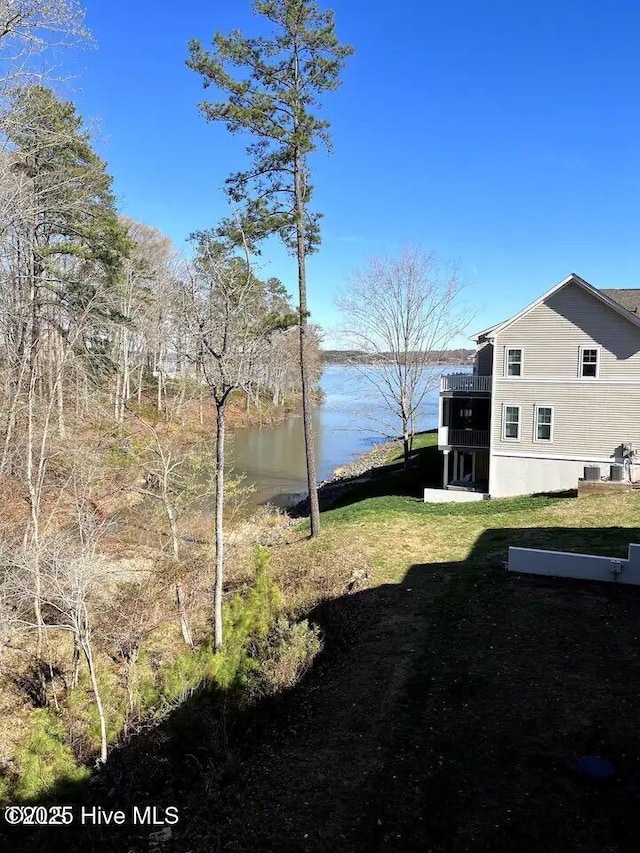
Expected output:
{"points": [[376, 457], [346, 476]]}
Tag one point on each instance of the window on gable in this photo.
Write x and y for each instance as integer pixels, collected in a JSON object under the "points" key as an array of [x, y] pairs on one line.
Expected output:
{"points": [[511, 423], [544, 423], [514, 362], [589, 362]]}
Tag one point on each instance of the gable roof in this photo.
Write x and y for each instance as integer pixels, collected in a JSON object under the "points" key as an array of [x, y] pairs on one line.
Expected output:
{"points": [[605, 296]]}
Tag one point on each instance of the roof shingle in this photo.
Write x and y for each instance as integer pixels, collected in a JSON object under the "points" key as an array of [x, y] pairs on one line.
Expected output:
{"points": [[628, 297]]}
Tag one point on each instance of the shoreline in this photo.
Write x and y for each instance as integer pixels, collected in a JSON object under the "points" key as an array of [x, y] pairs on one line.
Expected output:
{"points": [[344, 477], [359, 470]]}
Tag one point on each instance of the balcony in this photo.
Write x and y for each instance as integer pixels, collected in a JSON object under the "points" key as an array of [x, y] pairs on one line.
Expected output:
{"points": [[448, 437], [465, 383]]}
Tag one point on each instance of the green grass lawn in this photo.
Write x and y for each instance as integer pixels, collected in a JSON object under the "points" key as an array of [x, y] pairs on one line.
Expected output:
{"points": [[392, 478]]}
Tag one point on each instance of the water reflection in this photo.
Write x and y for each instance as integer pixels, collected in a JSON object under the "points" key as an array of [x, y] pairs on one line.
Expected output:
{"points": [[272, 458], [350, 420]]}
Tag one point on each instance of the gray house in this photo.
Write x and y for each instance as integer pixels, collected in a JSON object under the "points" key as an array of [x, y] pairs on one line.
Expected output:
{"points": [[554, 388]]}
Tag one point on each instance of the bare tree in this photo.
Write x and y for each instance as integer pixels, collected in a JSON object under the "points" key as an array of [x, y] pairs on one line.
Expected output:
{"points": [[8, 617], [69, 576], [131, 614], [176, 478], [28, 28], [229, 323], [400, 312]]}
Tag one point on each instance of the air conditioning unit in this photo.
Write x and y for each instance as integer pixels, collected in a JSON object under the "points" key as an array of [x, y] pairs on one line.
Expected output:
{"points": [[616, 473], [591, 473]]}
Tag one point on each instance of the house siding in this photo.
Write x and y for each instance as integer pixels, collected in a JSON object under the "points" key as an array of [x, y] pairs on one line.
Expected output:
{"points": [[585, 420], [552, 333], [592, 417], [484, 360]]}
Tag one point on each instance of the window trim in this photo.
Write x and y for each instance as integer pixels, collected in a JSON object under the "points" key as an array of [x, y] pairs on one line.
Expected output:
{"points": [[517, 406], [584, 347], [536, 409], [507, 375]]}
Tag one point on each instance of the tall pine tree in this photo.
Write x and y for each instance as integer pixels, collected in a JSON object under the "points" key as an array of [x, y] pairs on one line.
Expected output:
{"points": [[272, 89], [71, 240]]}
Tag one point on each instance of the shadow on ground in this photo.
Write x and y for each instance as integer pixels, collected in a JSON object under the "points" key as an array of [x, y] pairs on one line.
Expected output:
{"points": [[391, 479], [446, 713]]}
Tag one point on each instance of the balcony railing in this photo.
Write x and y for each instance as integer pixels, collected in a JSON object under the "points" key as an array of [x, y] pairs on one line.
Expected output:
{"points": [[463, 437], [465, 382]]}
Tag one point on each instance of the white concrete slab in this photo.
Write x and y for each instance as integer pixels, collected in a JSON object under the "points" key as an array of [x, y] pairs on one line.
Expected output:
{"points": [[440, 496]]}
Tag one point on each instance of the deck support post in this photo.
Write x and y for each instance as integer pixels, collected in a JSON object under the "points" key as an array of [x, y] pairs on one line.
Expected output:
{"points": [[445, 469]]}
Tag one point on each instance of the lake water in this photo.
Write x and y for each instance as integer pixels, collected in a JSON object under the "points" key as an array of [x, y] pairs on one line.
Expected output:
{"points": [[350, 420]]}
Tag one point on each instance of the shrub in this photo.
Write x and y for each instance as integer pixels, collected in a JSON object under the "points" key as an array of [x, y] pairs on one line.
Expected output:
{"points": [[146, 694], [81, 707], [43, 760], [186, 672], [289, 652], [247, 620], [5, 788]]}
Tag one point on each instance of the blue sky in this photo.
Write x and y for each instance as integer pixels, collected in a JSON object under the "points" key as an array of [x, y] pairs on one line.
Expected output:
{"points": [[503, 136]]}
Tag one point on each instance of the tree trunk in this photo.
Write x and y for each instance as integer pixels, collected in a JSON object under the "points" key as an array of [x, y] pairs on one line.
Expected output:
{"points": [[185, 628], [116, 400], [171, 515], [312, 484], [179, 403], [140, 374], [12, 414], [75, 669], [86, 648], [406, 445], [62, 430], [59, 384], [219, 534], [32, 530], [124, 387], [175, 547]]}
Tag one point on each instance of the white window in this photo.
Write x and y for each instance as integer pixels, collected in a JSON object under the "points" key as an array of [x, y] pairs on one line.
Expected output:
{"points": [[514, 362], [511, 423], [543, 423], [589, 362]]}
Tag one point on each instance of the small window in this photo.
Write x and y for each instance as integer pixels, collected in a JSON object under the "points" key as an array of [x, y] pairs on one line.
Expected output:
{"points": [[589, 362], [514, 362], [544, 423], [511, 423]]}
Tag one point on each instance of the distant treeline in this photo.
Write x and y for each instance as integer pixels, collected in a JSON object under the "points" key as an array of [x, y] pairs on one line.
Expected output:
{"points": [[337, 356]]}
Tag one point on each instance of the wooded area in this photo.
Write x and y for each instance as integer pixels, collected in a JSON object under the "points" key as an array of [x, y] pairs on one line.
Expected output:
{"points": [[353, 356], [119, 361]]}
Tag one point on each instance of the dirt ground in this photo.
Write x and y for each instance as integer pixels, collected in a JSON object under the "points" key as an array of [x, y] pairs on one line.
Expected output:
{"points": [[451, 718]]}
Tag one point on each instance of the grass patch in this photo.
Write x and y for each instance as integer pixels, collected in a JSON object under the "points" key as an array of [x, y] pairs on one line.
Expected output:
{"points": [[392, 479]]}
